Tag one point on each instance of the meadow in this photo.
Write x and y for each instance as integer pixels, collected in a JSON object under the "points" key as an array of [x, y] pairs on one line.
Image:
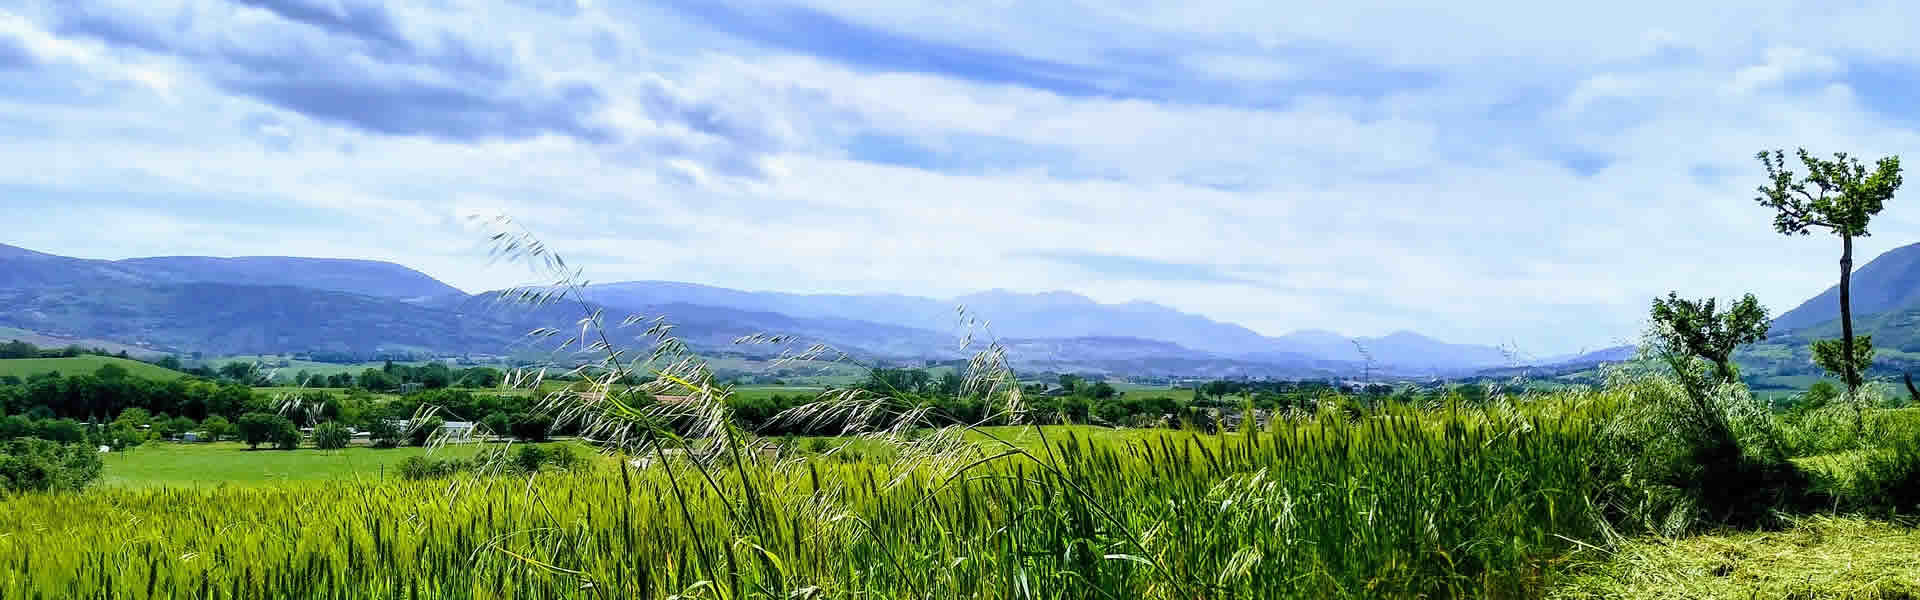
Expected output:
{"points": [[78, 365]]}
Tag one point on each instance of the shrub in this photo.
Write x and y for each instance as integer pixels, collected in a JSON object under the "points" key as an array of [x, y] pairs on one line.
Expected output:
{"points": [[531, 427], [331, 436], [31, 464], [285, 436], [423, 430], [1888, 479], [384, 433], [421, 467], [529, 458], [564, 457]]}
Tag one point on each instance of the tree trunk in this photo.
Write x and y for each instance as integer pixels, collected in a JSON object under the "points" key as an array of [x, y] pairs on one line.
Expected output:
{"points": [[1852, 373]]}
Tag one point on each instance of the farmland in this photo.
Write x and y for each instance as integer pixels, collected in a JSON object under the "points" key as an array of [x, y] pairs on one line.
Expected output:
{"points": [[1510, 499], [25, 367]]}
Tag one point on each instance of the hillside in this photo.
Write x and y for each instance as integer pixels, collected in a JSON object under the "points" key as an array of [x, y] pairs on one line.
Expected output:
{"points": [[24, 367], [253, 305], [1889, 282], [26, 269]]}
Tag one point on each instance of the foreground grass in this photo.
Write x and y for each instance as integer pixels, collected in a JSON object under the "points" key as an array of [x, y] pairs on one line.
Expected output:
{"points": [[231, 463], [1818, 557], [1445, 504]]}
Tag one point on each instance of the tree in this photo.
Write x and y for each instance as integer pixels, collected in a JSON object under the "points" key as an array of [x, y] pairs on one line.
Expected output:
{"points": [[384, 433], [376, 380], [1696, 328], [285, 436], [423, 430], [1840, 196], [260, 428], [531, 427], [331, 436], [30, 464], [216, 427]]}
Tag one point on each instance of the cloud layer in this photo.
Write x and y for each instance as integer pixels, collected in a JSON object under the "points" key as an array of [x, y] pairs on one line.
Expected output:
{"points": [[1501, 173]]}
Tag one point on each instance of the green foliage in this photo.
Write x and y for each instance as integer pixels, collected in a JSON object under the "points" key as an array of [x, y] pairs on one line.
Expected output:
{"points": [[36, 465], [1697, 328], [1829, 355], [331, 436], [267, 428], [530, 457], [1839, 195], [420, 431], [530, 426], [216, 427], [384, 433]]}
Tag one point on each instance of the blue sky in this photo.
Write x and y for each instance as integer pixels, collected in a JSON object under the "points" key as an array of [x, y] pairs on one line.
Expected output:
{"points": [[1500, 172]]}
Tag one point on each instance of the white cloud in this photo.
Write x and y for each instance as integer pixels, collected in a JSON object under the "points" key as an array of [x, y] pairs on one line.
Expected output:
{"points": [[1450, 207]]}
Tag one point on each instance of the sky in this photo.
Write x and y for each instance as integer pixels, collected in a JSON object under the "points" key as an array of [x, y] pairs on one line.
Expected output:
{"points": [[1518, 173]]}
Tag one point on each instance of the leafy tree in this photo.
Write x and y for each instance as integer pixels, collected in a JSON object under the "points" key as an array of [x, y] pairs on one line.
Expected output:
{"points": [[530, 458], [1697, 328], [384, 433], [497, 423], [423, 430], [260, 428], [216, 427], [38, 465], [176, 426], [240, 372], [169, 362], [531, 427], [376, 380], [1841, 196], [480, 377], [331, 436], [284, 435], [1102, 391]]}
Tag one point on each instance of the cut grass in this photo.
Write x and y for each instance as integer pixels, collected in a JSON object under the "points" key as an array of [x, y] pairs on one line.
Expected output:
{"points": [[78, 365], [1819, 557]]}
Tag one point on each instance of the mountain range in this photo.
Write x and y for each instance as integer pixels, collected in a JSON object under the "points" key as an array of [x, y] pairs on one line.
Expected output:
{"points": [[266, 304]]}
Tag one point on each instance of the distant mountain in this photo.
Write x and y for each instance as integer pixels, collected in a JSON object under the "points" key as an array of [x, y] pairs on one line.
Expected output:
{"points": [[1064, 315], [1002, 313], [364, 277], [282, 304], [1890, 281], [25, 269]]}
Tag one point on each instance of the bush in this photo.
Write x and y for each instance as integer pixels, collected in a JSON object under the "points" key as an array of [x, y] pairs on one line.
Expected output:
{"points": [[331, 436], [422, 431], [529, 458], [564, 457], [531, 427], [384, 433], [1888, 479], [1677, 460], [285, 435], [31, 464], [421, 467]]}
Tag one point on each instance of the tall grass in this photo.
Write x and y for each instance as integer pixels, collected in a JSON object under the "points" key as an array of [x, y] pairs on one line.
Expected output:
{"points": [[1401, 503]]}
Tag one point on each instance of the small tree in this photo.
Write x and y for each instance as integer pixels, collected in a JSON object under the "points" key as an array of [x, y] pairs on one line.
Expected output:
{"points": [[1696, 328], [531, 427], [285, 435], [216, 427], [331, 436], [30, 464], [384, 433], [257, 428], [1840, 196], [423, 430]]}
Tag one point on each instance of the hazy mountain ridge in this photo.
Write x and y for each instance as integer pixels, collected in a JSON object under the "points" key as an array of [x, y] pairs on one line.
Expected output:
{"points": [[276, 304]]}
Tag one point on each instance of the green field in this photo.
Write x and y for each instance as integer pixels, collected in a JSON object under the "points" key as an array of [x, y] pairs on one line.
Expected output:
{"points": [[78, 365], [175, 465]]}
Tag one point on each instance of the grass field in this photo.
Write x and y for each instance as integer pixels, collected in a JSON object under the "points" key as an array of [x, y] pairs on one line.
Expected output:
{"points": [[166, 464], [23, 367], [1817, 557]]}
